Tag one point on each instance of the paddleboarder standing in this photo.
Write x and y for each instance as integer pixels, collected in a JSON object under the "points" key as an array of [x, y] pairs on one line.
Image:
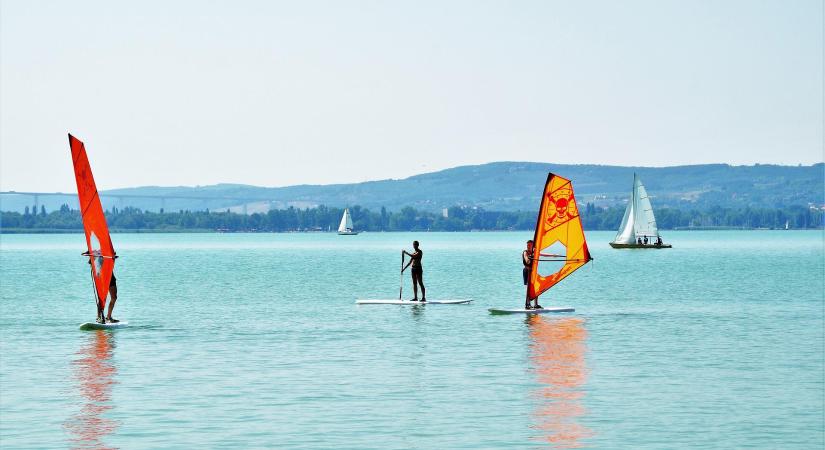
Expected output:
{"points": [[417, 271]]}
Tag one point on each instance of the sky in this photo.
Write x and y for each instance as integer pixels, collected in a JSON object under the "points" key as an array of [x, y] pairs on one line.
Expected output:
{"points": [[280, 93]]}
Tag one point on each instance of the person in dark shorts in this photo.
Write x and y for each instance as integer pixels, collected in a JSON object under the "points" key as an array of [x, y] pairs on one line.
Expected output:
{"points": [[527, 260], [113, 296], [417, 271]]}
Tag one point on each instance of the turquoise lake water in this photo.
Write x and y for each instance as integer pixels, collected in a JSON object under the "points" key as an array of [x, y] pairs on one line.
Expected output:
{"points": [[254, 340]]}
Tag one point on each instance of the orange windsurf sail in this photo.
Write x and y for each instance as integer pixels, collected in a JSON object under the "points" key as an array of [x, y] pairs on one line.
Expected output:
{"points": [[100, 251], [560, 247]]}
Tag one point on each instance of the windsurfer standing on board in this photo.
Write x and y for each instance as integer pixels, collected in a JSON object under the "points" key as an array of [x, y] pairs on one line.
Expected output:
{"points": [[113, 296], [527, 260], [417, 271]]}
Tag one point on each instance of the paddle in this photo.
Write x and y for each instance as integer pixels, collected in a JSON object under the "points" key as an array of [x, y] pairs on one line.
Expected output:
{"points": [[401, 277]]}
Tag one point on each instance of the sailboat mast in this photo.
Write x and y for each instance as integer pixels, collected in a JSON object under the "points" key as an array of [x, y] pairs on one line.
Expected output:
{"points": [[635, 206]]}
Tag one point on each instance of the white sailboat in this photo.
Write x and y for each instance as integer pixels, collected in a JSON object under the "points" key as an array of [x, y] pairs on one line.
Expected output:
{"points": [[345, 228], [638, 229]]}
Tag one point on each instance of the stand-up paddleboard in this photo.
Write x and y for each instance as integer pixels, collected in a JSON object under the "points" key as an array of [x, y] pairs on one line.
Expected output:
{"points": [[100, 251], [398, 301], [560, 309], [102, 326], [559, 247], [409, 302]]}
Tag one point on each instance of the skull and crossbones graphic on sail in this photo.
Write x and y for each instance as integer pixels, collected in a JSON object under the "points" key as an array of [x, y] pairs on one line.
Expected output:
{"points": [[561, 207]]}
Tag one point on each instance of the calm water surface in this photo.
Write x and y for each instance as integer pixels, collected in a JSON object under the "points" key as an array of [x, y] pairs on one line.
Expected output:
{"points": [[253, 340]]}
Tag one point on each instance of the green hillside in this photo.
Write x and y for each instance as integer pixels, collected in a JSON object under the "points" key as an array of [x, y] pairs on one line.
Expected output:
{"points": [[500, 186]]}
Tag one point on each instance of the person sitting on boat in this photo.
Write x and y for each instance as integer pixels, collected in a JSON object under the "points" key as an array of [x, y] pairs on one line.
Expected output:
{"points": [[658, 241], [645, 240], [639, 240], [527, 260], [417, 271]]}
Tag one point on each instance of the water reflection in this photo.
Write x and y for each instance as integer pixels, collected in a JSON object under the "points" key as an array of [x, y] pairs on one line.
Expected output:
{"points": [[93, 375], [557, 355], [416, 311]]}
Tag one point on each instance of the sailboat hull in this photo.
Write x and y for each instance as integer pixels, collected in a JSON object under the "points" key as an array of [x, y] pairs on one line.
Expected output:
{"points": [[617, 245], [348, 233]]}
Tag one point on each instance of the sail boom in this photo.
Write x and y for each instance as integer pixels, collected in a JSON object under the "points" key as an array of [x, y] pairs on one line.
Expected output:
{"points": [[100, 256]]}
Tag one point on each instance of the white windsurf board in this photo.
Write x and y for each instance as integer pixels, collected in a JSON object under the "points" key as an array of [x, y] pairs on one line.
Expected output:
{"points": [[102, 326], [558, 309]]}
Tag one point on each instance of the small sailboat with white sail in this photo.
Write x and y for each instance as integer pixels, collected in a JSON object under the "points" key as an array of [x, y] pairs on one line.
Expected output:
{"points": [[345, 228], [638, 228]]}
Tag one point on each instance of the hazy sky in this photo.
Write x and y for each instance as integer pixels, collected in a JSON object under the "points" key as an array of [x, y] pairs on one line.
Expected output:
{"points": [[280, 93]]}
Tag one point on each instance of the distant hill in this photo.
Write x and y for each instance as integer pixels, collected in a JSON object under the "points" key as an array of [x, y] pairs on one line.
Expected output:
{"points": [[504, 186]]}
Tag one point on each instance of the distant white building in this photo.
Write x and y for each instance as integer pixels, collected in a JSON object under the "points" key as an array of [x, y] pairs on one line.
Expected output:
{"points": [[445, 213]]}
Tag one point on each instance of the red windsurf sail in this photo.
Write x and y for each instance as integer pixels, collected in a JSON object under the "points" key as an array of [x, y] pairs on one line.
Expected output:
{"points": [[559, 237], [100, 251]]}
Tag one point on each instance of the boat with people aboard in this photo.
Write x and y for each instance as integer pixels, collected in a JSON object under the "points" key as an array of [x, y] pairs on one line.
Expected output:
{"points": [[638, 228]]}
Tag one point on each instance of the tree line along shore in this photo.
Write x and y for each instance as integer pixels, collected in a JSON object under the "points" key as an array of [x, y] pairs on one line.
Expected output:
{"points": [[324, 218]]}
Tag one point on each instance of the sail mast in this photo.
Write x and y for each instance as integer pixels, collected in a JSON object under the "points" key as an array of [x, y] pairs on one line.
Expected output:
{"points": [[636, 209]]}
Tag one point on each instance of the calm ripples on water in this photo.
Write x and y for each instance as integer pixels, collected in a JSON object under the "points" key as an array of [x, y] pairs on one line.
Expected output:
{"points": [[254, 340]]}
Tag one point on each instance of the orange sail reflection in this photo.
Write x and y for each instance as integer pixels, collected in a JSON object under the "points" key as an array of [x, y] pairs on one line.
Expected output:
{"points": [[557, 354], [94, 373]]}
